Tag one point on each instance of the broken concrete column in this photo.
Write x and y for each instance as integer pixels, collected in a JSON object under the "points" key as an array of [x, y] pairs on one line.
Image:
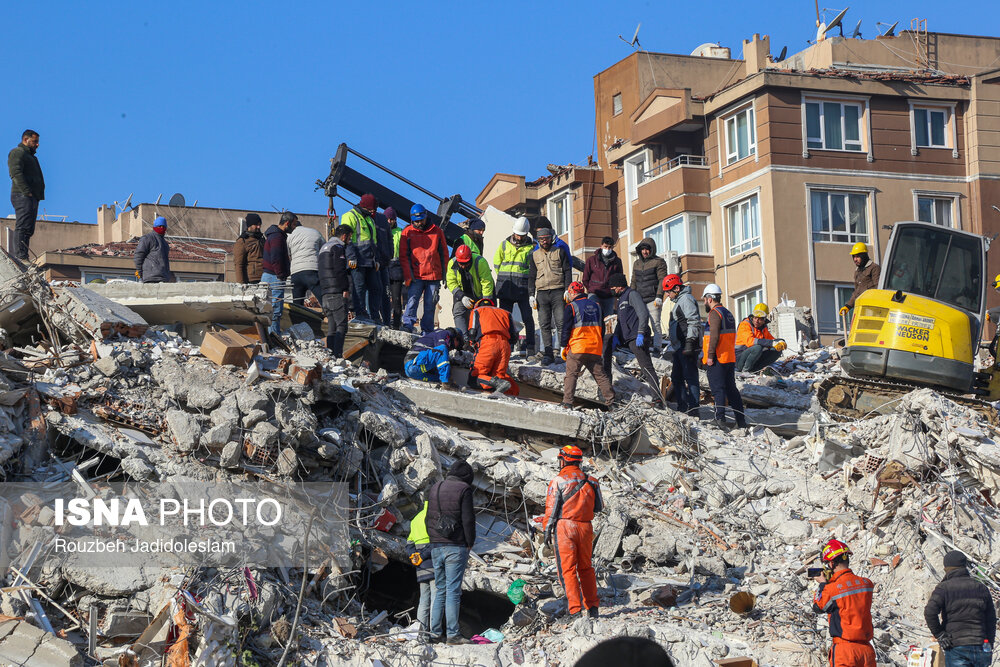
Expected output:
{"points": [[185, 432]]}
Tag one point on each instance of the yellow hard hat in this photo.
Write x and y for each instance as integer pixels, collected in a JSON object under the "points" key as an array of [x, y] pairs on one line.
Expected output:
{"points": [[760, 310], [859, 248]]}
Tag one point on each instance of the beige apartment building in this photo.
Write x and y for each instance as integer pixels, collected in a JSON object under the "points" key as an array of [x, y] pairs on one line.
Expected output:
{"points": [[761, 175]]}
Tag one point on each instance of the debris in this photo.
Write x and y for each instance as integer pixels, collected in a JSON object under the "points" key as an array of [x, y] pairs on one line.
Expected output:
{"points": [[226, 347]]}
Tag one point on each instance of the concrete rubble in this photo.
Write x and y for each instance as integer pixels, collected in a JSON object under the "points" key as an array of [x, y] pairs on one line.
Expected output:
{"points": [[695, 515]]}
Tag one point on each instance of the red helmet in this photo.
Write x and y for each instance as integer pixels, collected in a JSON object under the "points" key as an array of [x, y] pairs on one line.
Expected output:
{"points": [[834, 549], [485, 301], [576, 287], [463, 254], [671, 281], [571, 454]]}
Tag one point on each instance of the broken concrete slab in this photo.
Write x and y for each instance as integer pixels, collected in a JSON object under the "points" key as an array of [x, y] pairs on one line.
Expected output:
{"points": [[83, 314], [24, 645], [192, 303]]}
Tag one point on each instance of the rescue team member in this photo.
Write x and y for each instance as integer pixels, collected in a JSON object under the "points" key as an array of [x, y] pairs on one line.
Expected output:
{"points": [[866, 275], [648, 272], [570, 504], [363, 261], [492, 333], [961, 615], [685, 329], [633, 330], [395, 270], [427, 360], [847, 598], [718, 348], [418, 544], [469, 279], [582, 342], [756, 347], [423, 254], [335, 281], [473, 238], [551, 273], [512, 262]]}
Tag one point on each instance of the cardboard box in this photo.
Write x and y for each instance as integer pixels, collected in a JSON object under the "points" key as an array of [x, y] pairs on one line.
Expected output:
{"points": [[736, 662], [227, 347]]}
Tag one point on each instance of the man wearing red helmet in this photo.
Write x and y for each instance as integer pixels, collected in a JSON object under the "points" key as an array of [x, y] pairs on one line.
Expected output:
{"points": [[469, 279], [570, 504], [582, 343], [685, 329], [492, 332], [847, 598]]}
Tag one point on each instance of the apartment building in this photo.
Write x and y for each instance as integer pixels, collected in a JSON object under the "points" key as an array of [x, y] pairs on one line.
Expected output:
{"points": [[761, 175]]}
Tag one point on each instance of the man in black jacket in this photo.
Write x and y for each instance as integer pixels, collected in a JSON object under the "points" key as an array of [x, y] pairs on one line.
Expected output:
{"points": [[961, 615], [451, 526], [648, 272], [27, 188], [632, 330], [335, 284]]}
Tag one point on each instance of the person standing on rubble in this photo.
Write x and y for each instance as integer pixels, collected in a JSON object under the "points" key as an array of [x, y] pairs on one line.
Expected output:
{"points": [[395, 272], [632, 329], [847, 599], [598, 270], [685, 329], [418, 542], [334, 280], [152, 255], [303, 248], [248, 252], [572, 500], [451, 527], [423, 254], [512, 262], [582, 343], [648, 272], [428, 361], [473, 236], [468, 279], [866, 275], [551, 272], [27, 188], [492, 332], [277, 264], [756, 346], [961, 615], [719, 357], [363, 259]]}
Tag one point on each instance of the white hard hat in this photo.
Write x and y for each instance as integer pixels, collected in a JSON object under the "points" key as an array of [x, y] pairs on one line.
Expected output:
{"points": [[522, 226], [712, 289]]}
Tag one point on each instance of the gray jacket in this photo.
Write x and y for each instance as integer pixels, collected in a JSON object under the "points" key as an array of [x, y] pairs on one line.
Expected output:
{"points": [[303, 247], [685, 322], [152, 259]]}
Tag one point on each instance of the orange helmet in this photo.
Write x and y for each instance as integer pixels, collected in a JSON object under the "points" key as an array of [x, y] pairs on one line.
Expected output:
{"points": [[463, 254], [833, 550], [485, 301], [671, 281], [576, 287], [571, 454]]}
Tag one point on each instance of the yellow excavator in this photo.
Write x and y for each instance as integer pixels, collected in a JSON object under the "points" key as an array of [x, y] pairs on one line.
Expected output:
{"points": [[921, 328]]}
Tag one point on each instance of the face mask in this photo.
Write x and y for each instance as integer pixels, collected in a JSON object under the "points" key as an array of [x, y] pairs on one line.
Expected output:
{"points": [[607, 251]]}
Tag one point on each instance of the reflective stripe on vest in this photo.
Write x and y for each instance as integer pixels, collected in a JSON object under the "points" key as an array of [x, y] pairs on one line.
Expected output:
{"points": [[588, 327], [510, 265], [725, 349]]}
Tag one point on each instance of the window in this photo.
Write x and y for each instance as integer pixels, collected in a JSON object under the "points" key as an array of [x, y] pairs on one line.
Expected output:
{"points": [[744, 303], [938, 264], [833, 126], [686, 233], [929, 127], [741, 136], [829, 299], [616, 103], [744, 225], [635, 175], [91, 276], [698, 234], [560, 213], [840, 217], [936, 209]]}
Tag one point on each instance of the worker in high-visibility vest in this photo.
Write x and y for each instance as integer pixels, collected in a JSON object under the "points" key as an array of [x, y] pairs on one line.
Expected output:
{"points": [[718, 349], [512, 262]]}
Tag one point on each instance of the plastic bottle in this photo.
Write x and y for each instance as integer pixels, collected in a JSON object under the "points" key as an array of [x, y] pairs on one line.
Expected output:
{"points": [[987, 648]]}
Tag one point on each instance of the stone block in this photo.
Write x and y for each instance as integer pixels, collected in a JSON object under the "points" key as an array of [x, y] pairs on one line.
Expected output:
{"points": [[201, 397], [231, 455], [184, 430]]}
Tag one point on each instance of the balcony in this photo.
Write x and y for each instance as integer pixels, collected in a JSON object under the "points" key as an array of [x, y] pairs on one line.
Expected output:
{"points": [[682, 175]]}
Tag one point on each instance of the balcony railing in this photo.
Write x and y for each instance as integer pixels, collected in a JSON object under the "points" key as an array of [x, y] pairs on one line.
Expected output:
{"points": [[679, 161]]}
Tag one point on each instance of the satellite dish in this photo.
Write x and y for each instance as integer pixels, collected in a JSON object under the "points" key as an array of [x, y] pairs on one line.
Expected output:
{"points": [[704, 48], [857, 31], [176, 200], [891, 32], [836, 22], [635, 37], [784, 52]]}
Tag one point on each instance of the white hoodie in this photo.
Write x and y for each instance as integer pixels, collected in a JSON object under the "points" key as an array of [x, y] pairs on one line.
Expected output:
{"points": [[303, 246]]}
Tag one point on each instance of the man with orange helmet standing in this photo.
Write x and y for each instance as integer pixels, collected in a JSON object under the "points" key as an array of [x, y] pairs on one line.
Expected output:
{"points": [[570, 504], [492, 332], [582, 342], [847, 598]]}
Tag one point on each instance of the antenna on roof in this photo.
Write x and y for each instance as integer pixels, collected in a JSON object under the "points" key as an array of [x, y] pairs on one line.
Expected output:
{"points": [[891, 32], [158, 198], [635, 37], [857, 31], [836, 22], [177, 199]]}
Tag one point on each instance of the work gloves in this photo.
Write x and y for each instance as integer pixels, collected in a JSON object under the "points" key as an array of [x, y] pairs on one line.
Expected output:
{"points": [[780, 345], [944, 641], [138, 277], [352, 264], [467, 302], [533, 302], [690, 347], [844, 310], [639, 340], [658, 302], [564, 353]]}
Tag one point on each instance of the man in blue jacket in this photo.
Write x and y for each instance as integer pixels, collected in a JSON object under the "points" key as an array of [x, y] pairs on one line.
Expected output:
{"points": [[277, 264], [152, 255], [633, 330], [427, 360]]}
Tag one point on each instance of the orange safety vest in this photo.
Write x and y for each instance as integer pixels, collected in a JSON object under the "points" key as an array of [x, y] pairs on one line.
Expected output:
{"points": [[747, 335], [572, 495], [588, 327], [847, 598], [491, 320], [725, 349]]}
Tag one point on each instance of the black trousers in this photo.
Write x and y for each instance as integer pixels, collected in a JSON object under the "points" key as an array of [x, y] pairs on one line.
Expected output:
{"points": [[722, 382], [646, 371], [526, 316], [396, 302], [684, 377], [25, 214]]}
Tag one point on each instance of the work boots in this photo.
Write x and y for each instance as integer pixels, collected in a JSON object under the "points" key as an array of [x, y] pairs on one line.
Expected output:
{"points": [[499, 385], [335, 344], [547, 358], [593, 613]]}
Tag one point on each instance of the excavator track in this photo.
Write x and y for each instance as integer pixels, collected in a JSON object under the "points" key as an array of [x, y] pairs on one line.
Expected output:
{"points": [[847, 398]]}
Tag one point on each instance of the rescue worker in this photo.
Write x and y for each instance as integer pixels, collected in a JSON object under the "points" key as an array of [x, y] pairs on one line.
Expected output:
{"points": [[492, 333], [152, 255], [418, 544], [469, 279], [756, 347], [685, 329], [364, 260], [551, 273], [866, 275], [248, 252], [427, 360], [961, 615], [847, 599], [395, 271], [718, 349], [572, 500], [648, 272], [512, 262], [582, 342], [335, 281], [632, 330], [423, 254], [474, 240]]}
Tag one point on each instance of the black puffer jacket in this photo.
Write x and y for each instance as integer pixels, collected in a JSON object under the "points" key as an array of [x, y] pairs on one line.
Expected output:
{"points": [[961, 607], [648, 274], [332, 261], [453, 498]]}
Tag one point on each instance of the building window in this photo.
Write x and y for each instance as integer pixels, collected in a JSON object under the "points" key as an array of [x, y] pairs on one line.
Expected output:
{"points": [[743, 303], [830, 298], [91, 276], [616, 103], [833, 125], [698, 234], [930, 127], [560, 213], [741, 136], [685, 234], [635, 175], [840, 217], [744, 225], [938, 210]]}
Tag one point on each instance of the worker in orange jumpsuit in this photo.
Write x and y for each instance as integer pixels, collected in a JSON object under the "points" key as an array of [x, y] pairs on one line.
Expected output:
{"points": [[572, 499], [847, 598], [491, 332]]}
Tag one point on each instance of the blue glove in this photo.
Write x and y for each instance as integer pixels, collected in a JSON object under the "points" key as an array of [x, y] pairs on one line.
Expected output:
{"points": [[639, 340], [615, 343]]}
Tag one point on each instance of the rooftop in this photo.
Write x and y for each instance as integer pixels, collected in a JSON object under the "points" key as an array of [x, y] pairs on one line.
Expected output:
{"points": [[181, 250]]}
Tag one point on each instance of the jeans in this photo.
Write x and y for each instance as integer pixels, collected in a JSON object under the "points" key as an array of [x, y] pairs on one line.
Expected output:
{"points": [[722, 382], [684, 377], [428, 289], [335, 309], [967, 656], [607, 304], [384, 310], [428, 591], [277, 299], [654, 323], [755, 358], [526, 316], [449, 568], [367, 293], [396, 302], [461, 315], [25, 213], [550, 315], [302, 282]]}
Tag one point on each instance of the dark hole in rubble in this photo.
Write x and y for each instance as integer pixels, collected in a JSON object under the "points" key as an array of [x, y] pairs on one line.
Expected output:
{"points": [[69, 449], [394, 588], [390, 357]]}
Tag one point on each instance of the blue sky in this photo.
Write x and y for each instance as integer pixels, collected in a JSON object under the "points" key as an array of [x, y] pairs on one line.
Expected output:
{"points": [[241, 105]]}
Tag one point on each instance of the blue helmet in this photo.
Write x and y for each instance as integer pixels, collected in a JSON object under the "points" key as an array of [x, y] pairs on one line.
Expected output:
{"points": [[417, 212]]}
